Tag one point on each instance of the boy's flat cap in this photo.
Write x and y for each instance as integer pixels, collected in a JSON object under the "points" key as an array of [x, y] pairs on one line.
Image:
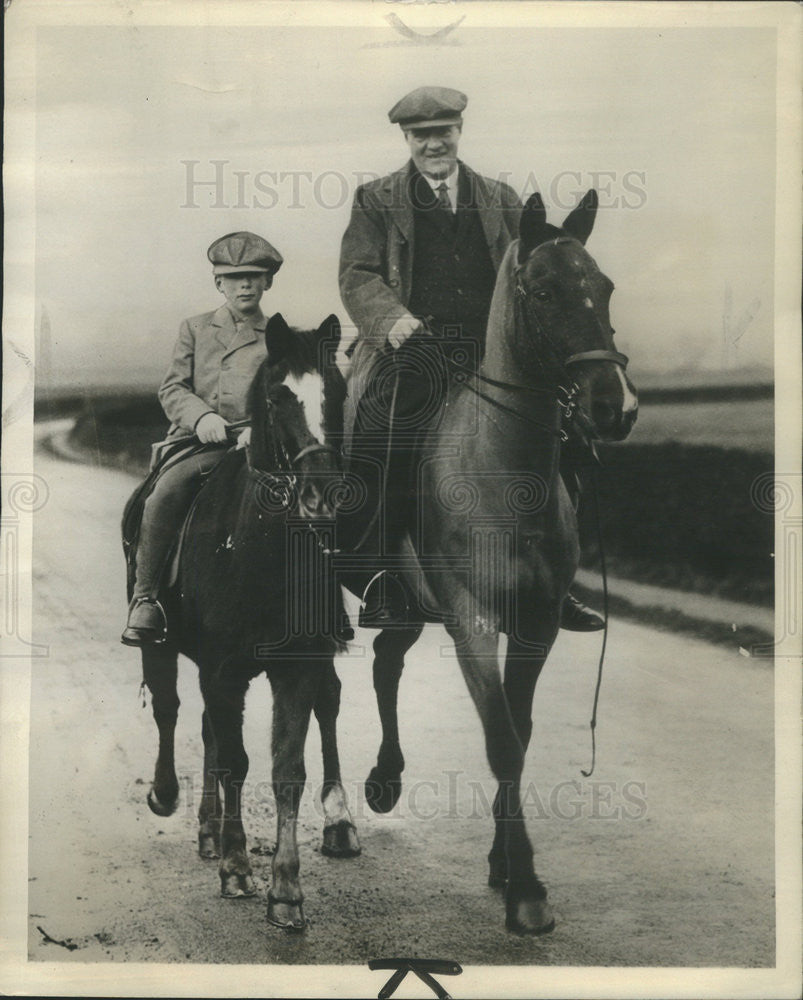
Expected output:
{"points": [[235, 253]]}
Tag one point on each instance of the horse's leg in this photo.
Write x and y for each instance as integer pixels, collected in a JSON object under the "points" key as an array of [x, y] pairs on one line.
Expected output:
{"points": [[527, 909], [339, 833], [160, 673], [294, 689], [224, 700], [383, 785], [523, 666], [210, 811]]}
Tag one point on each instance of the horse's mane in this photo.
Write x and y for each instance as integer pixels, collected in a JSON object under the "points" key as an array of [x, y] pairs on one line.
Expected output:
{"points": [[296, 352]]}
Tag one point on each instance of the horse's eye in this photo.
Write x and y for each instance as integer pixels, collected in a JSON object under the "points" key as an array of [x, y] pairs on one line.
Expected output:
{"points": [[543, 295]]}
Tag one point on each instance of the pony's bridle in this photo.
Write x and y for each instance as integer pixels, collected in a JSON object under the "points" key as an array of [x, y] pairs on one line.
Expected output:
{"points": [[283, 480]]}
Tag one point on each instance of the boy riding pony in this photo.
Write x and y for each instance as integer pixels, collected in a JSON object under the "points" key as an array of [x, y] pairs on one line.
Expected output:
{"points": [[216, 357]]}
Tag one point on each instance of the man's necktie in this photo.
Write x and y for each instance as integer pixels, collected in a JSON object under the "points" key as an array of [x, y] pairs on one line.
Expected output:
{"points": [[443, 197]]}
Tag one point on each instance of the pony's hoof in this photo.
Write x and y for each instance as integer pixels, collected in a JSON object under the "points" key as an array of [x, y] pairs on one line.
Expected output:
{"points": [[156, 805], [208, 847], [236, 886], [382, 793], [340, 840], [288, 914], [530, 916]]}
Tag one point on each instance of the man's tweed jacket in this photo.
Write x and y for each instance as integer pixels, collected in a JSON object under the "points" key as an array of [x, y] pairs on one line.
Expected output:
{"points": [[376, 257]]}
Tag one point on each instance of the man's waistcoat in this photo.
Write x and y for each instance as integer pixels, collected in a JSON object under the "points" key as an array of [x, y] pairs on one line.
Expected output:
{"points": [[453, 275]]}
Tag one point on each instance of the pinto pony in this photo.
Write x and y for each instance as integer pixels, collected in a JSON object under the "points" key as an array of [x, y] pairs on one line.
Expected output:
{"points": [[248, 600]]}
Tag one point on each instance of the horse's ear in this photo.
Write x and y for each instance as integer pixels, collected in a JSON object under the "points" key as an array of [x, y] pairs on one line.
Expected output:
{"points": [[320, 345], [580, 221], [329, 329], [533, 228], [278, 338]]}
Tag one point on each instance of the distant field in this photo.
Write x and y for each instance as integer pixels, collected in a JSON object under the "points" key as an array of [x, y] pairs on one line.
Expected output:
{"points": [[675, 500], [747, 424]]}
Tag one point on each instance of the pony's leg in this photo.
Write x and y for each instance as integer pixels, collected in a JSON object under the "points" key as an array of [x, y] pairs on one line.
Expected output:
{"points": [[527, 909], [224, 700], [210, 811], [523, 664], [383, 785], [160, 673], [339, 833], [294, 689]]}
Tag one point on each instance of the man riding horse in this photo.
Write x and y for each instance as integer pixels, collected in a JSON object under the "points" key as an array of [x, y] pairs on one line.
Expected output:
{"points": [[418, 265]]}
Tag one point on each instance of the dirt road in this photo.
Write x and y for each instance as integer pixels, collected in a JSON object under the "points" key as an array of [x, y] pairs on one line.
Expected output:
{"points": [[663, 858]]}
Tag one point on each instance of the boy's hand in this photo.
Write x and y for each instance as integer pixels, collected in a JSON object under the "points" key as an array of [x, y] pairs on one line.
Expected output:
{"points": [[211, 429], [244, 438]]}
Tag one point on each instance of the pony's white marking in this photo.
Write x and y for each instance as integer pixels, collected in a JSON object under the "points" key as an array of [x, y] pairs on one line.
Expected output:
{"points": [[309, 391], [588, 303], [335, 807], [629, 401]]}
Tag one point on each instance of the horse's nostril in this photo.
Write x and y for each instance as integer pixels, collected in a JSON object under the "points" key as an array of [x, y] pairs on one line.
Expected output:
{"points": [[603, 415]]}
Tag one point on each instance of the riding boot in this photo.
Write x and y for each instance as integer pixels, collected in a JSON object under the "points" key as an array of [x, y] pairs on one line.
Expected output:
{"points": [[146, 618], [576, 617]]}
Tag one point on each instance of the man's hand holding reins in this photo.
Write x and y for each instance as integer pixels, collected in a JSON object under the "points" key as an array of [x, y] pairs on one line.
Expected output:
{"points": [[403, 329]]}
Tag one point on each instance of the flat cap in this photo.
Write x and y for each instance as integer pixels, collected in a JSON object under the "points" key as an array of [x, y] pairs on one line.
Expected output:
{"points": [[427, 107], [235, 253]]}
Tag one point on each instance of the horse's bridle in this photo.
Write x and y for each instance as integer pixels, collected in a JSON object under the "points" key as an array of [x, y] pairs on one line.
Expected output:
{"points": [[285, 476], [616, 357], [566, 396]]}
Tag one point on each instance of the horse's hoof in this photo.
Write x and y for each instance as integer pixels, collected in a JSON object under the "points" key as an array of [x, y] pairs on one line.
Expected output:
{"points": [[161, 808], [530, 916], [381, 793], [288, 914], [208, 847], [236, 886], [340, 840]]}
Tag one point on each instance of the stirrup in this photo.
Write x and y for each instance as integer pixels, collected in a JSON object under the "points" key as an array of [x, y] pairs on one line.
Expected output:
{"points": [[378, 608], [152, 633]]}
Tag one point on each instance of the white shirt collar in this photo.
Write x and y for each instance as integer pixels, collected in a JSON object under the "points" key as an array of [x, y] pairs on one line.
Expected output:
{"points": [[451, 186]]}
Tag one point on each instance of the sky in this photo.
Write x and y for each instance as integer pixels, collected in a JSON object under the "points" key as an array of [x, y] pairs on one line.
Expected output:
{"points": [[674, 126]]}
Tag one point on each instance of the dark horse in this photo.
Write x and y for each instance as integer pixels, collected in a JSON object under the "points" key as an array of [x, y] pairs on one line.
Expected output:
{"points": [[495, 545], [249, 600]]}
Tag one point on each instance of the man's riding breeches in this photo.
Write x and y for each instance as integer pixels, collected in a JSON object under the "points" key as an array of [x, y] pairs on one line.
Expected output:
{"points": [[401, 401]]}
